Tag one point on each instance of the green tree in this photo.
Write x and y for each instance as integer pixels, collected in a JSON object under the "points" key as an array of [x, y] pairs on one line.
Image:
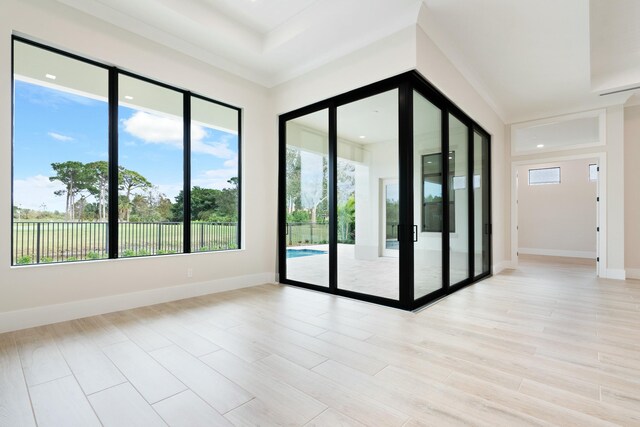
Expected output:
{"points": [[98, 185], [73, 175], [151, 206], [209, 204], [128, 181], [347, 221], [292, 164], [203, 204]]}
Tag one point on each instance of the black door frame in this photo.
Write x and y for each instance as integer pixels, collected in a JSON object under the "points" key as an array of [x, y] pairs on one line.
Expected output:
{"points": [[406, 84]]}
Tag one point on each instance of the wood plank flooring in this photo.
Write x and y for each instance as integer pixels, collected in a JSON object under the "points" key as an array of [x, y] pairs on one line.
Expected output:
{"points": [[547, 344]]}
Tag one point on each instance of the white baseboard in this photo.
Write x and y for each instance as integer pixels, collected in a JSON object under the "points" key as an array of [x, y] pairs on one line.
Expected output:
{"points": [[44, 315], [633, 273], [558, 252], [614, 273], [501, 266]]}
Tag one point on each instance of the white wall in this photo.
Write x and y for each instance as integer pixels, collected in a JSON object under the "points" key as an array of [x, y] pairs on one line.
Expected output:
{"points": [[434, 65], [632, 190], [381, 163], [145, 280], [615, 192], [385, 58], [558, 219]]}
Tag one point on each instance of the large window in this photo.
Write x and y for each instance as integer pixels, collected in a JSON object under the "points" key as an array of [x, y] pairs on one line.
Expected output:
{"points": [[103, 162], [150, 168], [215, 173]]}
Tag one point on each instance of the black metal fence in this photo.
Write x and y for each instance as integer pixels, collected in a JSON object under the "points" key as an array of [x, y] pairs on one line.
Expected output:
{"points": [[46, 242], [310, 233]]}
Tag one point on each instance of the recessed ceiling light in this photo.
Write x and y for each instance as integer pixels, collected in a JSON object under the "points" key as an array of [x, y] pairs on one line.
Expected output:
{"points": [[362, 137], [128, 97], [50, 76], [540, 145], [429, 162], [450, 158]]}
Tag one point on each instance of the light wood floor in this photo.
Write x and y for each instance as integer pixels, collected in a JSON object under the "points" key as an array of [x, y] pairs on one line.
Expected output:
{"points": [[548, 344]]}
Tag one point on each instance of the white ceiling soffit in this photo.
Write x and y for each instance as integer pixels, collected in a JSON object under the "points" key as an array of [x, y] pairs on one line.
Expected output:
{"points": [[265, 41], [581, 131], [531, 56], [528, 58], [615, 44]]}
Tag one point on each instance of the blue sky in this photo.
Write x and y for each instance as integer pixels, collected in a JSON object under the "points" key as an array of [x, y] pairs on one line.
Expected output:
{"points": [[56, 126]]}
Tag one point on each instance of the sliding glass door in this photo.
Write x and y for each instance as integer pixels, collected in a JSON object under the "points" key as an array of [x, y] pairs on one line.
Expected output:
{"points": [[367, 194], [428, 196], [384, 195], [458, 179], [306, 199], [481, 220]]}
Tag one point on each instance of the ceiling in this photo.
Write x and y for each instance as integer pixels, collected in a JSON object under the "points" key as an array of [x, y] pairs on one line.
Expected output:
{"points": [[528, 58], [578, 131]]}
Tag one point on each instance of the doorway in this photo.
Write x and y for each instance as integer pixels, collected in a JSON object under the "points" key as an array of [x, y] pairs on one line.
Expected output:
{"points": [[558, 211]]}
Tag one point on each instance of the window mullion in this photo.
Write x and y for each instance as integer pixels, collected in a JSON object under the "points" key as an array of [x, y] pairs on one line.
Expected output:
{"points": [[113, 164], [186, 216]]}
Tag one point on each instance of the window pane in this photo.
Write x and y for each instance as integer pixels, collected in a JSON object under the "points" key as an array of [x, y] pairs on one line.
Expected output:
{"points": [[481, 204], [544, 176], [367, 132], [60, 155], [427, 198], [307, 201], [214, 177], [150, 162], [459, 222]]}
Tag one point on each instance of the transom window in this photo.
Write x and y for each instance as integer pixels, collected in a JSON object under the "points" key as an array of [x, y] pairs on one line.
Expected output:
{"points": [[544, 176]]}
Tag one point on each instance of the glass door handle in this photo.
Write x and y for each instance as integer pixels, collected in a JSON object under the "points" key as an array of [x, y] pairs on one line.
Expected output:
{"points": [[415, 233]]}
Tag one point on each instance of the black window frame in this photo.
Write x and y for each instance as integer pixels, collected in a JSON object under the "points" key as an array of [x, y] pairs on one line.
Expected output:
{"points": [[113, 103]]}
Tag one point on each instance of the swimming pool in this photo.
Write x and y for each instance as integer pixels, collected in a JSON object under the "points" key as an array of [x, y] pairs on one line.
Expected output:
{"points": [[297, 253]]}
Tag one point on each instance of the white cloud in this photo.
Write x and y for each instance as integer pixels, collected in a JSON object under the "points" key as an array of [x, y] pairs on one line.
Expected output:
{"points": [[232, 163], [216, 149], [60, 137], [170, 190], [36, 191], [216, 178], [154, 129]]}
